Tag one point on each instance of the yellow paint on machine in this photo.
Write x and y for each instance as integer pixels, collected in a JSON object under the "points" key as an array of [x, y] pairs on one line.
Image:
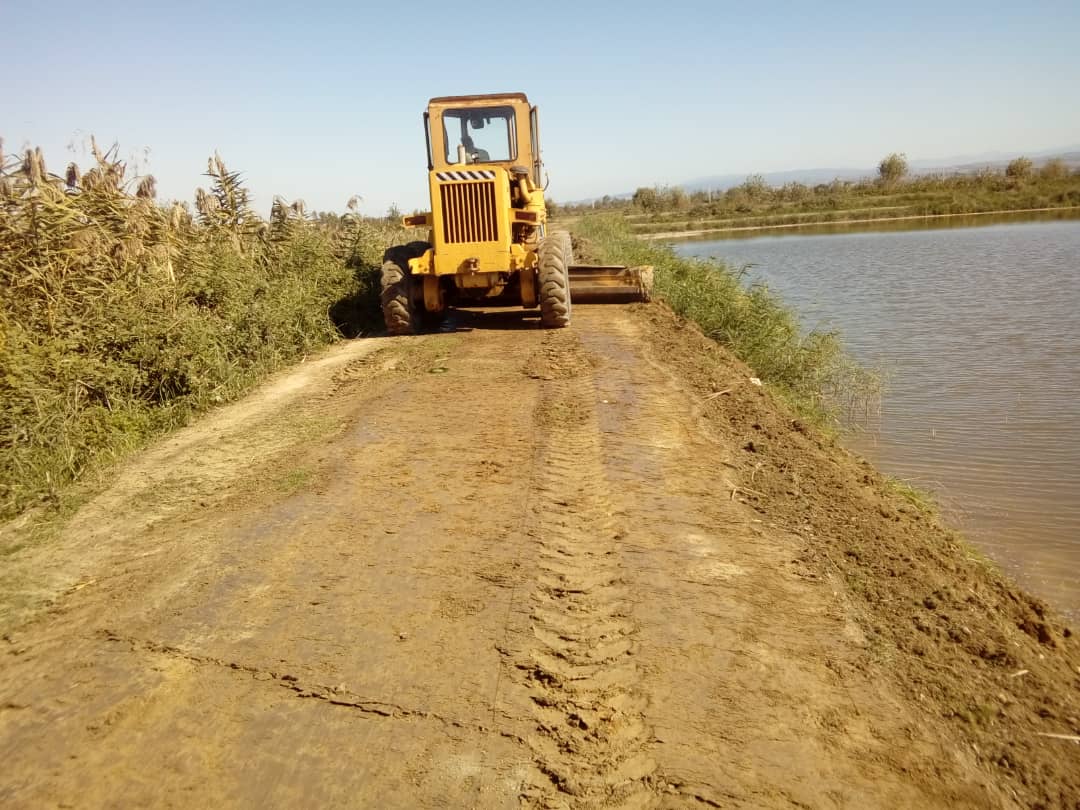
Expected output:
{"points": [[472, 214]]}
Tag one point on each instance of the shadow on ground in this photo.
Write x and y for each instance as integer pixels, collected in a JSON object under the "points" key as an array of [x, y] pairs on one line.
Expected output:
{"points": [[501, 320]]}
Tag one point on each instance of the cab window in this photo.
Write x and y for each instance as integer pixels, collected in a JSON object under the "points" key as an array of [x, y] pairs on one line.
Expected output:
{"points": [[486, 133]]}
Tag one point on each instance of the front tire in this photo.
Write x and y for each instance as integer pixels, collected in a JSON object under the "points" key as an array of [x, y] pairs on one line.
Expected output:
{"points": [[556, 256]]}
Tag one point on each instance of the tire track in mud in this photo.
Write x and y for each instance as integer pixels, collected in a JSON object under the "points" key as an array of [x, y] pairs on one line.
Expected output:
{"points": [[580, 672], [223, 455]]}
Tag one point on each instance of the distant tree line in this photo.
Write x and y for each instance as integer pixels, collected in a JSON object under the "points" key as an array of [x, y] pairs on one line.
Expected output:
{"points": [[894, 177]]}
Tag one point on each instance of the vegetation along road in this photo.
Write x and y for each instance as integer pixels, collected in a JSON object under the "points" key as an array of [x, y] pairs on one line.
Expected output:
{"points": [[504, 567]]}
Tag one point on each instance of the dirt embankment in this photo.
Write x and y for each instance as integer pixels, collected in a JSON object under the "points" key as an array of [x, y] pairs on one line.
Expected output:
{"points": [[585, 568]]}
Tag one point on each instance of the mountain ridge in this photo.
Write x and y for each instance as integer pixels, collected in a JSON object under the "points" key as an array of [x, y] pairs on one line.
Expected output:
{"points": [[957, 164]]}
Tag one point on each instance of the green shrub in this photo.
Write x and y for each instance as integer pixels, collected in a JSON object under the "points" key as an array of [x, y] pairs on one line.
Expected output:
{"points": [[1019, 168], [1054, 170], [893, 168]]}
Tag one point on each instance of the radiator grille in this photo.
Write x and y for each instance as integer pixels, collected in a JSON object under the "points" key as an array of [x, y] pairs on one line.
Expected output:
{"points": [[469, 212]]}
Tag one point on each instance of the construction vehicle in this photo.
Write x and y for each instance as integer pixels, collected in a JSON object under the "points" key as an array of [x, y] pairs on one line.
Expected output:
{"points": [[488, 244]]}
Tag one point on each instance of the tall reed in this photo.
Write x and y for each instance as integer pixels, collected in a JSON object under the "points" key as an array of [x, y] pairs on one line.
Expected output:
{"points": [[120, 317]]}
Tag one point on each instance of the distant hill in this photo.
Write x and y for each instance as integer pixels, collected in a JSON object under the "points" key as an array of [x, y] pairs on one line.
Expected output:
{"points": [[957, 165], [810, 177], [1071, 158], [994, 158], [960, 164]]}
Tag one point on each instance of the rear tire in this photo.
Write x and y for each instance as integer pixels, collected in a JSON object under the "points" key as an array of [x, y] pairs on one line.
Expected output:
{"points": [[399, 314], [556, 256]]}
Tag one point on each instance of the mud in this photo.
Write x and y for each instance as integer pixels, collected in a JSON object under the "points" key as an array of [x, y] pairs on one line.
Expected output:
{"points": [[593, 567]]}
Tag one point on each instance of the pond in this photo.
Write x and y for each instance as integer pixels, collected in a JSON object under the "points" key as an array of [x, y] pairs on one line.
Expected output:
{"points": [[978, 332]]}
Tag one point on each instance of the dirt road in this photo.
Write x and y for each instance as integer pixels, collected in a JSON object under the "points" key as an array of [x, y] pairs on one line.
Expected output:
{"points": [[496, 568]]}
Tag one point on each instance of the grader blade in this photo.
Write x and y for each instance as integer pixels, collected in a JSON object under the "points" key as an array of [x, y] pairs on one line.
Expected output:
{"points": [[614, 284]]}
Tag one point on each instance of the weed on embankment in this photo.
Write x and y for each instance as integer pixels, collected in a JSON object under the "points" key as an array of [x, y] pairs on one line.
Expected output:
{"points": [[120, 318], [809, 369]]}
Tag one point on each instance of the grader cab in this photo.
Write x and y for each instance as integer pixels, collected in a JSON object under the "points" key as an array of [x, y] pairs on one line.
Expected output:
{"points": [[488, 243]]}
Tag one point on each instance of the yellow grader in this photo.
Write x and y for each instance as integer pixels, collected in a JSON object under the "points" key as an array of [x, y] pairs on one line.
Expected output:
{"points": [[488, 243]]}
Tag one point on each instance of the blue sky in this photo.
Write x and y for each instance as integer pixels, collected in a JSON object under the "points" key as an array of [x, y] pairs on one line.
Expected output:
{"points": [[322, 101]]}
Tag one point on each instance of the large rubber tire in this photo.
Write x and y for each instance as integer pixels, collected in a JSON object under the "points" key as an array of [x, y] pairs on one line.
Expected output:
{"points": [[399, 314], [556, 256]]}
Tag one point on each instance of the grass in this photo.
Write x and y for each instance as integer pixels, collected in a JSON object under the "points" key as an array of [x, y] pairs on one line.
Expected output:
{"points": [[927, 504], [121, 318], [919, 498], [809, 369], [293, 481]]}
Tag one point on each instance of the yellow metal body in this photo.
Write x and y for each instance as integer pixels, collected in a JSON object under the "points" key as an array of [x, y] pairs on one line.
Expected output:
{"points": [[486, 215], [471, 221]]}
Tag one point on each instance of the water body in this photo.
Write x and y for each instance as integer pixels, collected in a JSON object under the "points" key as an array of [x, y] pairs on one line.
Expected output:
{"points": [[978, 332]]}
